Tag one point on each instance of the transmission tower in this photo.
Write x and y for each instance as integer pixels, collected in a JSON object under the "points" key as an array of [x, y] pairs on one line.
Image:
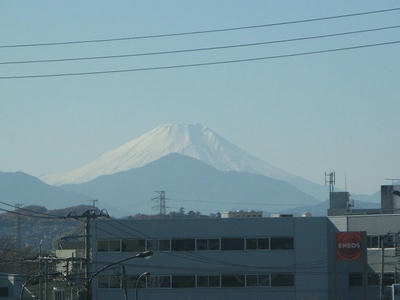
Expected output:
{"points": [[161, 199]]}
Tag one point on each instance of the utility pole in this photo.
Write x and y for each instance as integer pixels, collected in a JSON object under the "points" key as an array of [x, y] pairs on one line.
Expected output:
{"points": [[40, 278], [94, 201], [45, 279], [124, 282], [18, 233], [40, 270], [18, 237], [87, 255], [88, 215], [381, 287], [365, 266], [397, 255]]}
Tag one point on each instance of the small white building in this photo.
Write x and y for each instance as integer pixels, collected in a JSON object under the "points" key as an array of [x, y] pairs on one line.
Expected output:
{"points": [[72, 262]]}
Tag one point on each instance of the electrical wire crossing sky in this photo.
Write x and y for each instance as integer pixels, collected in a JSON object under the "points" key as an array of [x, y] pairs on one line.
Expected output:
{"points": [[306, 86]]}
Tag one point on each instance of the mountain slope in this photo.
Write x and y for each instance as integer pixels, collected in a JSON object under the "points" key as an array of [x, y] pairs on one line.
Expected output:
{"points": [[18, 187], [191, 184], [195, 141]]}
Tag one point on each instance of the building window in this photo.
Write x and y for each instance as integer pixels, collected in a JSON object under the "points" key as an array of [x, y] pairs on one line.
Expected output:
{"points": [[152, 245], [184, 281], [4, 292], [183, 244], [388, 279], [208, 281], [133, 245], [207, 244], [355, 279], [372, 241], [232, 280], [258, 280], [115, 282], [102, 281], [161, 281], [114, 245], [254, 244], [286, 279], [102, 246], [158, 245], [387, 241], [232, 244], [130, 281], [281, 243], [164, 245], [373, 279]]}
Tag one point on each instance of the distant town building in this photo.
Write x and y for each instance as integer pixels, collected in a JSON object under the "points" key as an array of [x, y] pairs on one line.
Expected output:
{"points": [[306, 214], [281, 215], [242, 214], [71, 261]]}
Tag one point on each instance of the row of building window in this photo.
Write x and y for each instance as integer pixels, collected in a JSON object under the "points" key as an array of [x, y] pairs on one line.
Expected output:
{"points": [[135, 245], [199, 281], [376, 241], [355, 279]]}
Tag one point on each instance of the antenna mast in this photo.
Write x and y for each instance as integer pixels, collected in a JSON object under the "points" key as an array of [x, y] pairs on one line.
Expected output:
{"points": [[330, 179]]}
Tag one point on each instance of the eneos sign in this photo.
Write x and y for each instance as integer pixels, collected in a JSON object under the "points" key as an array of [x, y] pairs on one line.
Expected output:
{"points": [[349, 245]]}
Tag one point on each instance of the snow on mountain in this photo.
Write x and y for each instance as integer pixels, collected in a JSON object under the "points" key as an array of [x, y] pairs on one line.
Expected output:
{"points": [[194, 141]]}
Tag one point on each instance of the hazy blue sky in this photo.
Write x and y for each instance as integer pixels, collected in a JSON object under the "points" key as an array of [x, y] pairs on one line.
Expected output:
{"points": [[305, 115]]}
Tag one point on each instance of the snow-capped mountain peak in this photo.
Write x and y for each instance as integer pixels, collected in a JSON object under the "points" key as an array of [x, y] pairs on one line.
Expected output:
{"points": [[195, 141]]}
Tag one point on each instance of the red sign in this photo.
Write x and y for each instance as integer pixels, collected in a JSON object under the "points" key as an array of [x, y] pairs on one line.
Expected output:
{"points": [[348, 245]]}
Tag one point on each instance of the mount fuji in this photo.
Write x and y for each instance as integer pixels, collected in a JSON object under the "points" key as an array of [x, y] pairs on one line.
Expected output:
{"points": [[195, 141]]}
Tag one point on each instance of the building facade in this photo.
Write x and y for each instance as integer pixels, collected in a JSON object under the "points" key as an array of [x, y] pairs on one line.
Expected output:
{"points": [[232, 258], [280, 258]]}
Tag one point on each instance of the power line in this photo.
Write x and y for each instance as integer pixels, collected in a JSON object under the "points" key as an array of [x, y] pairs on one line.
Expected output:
{"points": [[202, 31], [31, 216], [199, 49], [29, 210], [201, 64]]}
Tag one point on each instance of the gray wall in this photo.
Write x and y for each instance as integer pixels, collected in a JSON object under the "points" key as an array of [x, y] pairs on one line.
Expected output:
{"points": [[309, 260]]}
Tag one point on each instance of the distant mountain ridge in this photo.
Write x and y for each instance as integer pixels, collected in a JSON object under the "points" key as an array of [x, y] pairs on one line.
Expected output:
{"points": [[18, 187], [194, 185], [195, 141]]}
